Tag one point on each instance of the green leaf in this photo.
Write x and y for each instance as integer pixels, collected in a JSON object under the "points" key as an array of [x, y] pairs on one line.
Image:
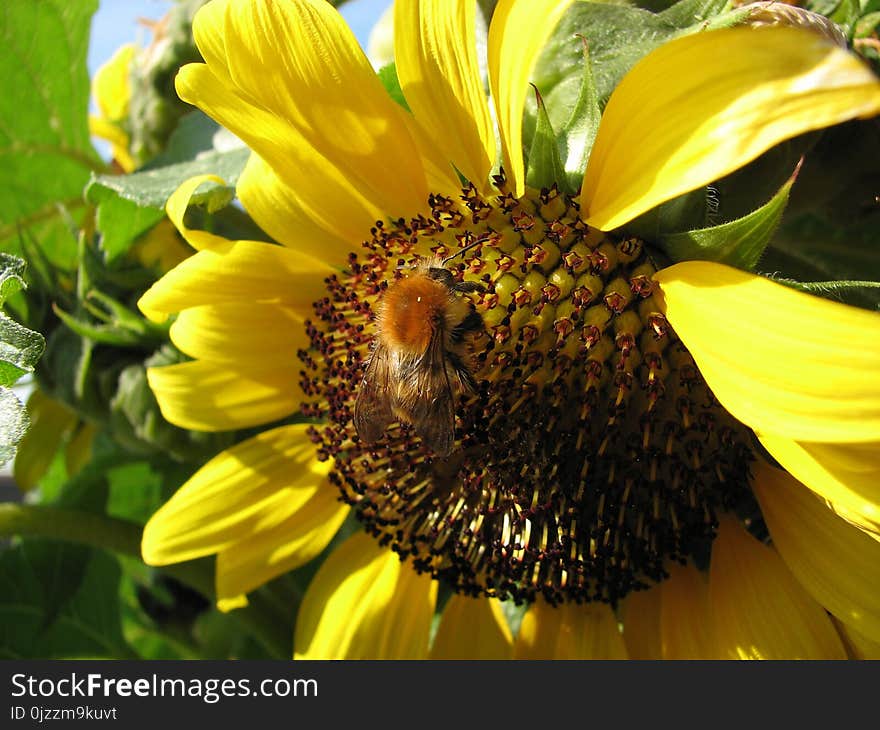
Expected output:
{"points": [[148, 640], [544, 163], [44, 616], [121, 221], [11, 276], [45, 152], [62, 569], [136, 491], [738, 243], [20, 348], [388, 77], [152, 188]]}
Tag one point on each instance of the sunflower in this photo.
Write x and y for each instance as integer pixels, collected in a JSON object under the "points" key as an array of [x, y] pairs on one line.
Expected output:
{"points": [[111, 90], [689, 453]]}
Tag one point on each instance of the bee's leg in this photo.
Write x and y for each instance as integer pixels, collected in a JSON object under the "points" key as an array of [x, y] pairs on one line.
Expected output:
{"points": [[472, 323], [465, 287], [461, 371]]}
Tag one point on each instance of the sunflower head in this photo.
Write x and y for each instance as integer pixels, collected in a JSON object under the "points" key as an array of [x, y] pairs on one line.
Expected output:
{"points": [[604, 405], [589, 451]]}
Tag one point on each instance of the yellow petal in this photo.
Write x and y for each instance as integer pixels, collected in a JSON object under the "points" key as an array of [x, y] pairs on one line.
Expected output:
{"points": [[321, 192], [111, 86], [270, 551], [704, 105], [208, 396], [847, 475], [857, 645], [78, 452], [161, 248], [518, 32], [116, 136], [837, 563], [685, 623], [50, 422], [364, 603], [436, 55], [758, 609], [250, 488], [176, 206], [640, 615], [248, 272], [569, 632], [326, 233], [299, 64], [442, 177], [250, 335], [472, 628], [781, 361]]}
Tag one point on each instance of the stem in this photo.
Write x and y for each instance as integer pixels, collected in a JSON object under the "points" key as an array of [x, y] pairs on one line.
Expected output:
{"points": [[270, 627]]}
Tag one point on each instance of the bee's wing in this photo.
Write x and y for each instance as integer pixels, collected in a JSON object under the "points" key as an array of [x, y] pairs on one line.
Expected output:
{"points": [[432, 407], [372, 409]]}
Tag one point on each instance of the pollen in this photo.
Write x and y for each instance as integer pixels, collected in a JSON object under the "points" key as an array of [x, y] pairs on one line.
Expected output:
{"points": [[591, 454]]}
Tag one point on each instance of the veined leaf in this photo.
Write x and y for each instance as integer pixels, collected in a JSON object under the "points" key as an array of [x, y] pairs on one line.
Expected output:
{"points": [[151, 188], [46, 614], [46, 156]]}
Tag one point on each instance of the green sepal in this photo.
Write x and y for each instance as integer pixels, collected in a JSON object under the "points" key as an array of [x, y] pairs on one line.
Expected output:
{"points": [[579, 132], [738, 243], [866, 26], [728, 19], [117, 324], [843, 12], [827, 289], [388, 77], [544, 163], [137, 423]]}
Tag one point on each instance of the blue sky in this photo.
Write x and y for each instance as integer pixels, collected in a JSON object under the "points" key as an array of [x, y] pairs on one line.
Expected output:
{"points": [[115, 23]]}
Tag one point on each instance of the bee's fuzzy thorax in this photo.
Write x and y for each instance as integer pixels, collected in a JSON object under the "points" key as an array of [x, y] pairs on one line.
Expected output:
{"points": [[412, 309]]}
